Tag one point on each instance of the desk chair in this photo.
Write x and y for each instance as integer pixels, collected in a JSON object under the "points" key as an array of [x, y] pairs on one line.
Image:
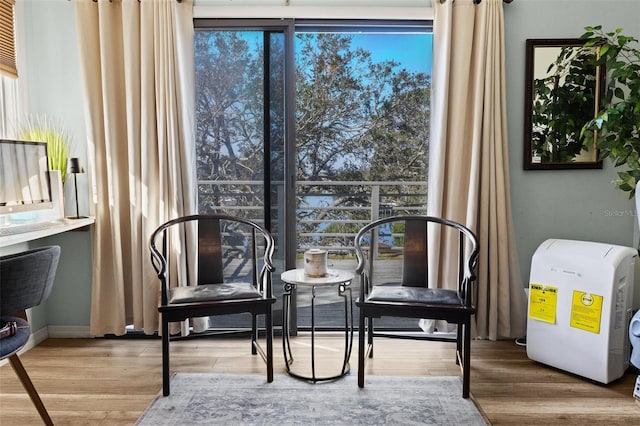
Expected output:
{"points": [[213, 289], [409, 294], [26, 280]]}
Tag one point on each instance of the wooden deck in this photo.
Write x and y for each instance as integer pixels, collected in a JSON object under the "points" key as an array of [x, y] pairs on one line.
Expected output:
{"points": [[329, 306]]}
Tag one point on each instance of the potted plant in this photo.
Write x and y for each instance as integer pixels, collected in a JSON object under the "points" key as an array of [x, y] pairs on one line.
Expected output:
{"points": [[616, 126], [58, 142]]}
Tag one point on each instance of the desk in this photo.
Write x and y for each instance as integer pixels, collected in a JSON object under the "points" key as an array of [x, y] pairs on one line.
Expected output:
{"points": [[341, 279], [68, 225]]}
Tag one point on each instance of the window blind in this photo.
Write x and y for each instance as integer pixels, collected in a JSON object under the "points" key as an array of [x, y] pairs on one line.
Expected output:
{"points": [[7, 39]]}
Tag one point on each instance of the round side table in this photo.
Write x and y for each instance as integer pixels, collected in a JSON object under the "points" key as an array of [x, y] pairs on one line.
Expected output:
{"points": [[297, 277]]}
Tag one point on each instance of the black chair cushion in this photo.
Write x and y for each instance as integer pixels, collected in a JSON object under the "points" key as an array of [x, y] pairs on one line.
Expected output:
{"points": [[213, 292], [10, 345], [403, 294]]}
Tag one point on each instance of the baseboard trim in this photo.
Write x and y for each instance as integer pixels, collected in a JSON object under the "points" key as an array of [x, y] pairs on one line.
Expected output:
{"points": [[53, 331], [37, 337], [56, 331], [69, 332]]}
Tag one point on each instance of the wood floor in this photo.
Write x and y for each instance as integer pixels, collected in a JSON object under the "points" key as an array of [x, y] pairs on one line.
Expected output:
{"points": [[111, 381]]}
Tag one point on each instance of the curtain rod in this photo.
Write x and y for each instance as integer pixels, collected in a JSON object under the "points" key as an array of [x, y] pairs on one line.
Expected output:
{"points": [[479, 1], [441, 1], [110, 1]]}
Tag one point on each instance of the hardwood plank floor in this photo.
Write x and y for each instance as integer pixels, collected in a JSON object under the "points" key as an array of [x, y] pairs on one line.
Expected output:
{"points": [[111, 381]]}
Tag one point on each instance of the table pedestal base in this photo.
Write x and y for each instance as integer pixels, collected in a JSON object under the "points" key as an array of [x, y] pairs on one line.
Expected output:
{"points": [[345, 292]]}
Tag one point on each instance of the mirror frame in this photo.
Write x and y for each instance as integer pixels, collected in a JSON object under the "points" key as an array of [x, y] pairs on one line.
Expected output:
{"points": [[599, 73]]}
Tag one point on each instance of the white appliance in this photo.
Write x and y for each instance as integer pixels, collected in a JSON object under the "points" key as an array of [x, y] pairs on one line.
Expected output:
{"points": [[580, 306]]}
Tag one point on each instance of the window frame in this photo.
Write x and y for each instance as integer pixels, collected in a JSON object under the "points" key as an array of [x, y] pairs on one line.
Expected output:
{"points": [[291, 27]]}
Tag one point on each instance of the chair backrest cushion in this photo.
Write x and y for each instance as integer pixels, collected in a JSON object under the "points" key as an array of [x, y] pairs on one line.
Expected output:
{"points": [[210, 268], [415, 266], [26, 278]]}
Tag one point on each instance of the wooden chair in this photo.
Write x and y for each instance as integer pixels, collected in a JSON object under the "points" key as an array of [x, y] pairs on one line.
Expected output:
{"points": [[210, 289], [26, 280], [410, 294]]}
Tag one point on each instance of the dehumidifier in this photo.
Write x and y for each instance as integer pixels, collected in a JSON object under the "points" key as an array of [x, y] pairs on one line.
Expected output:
{"points": [[580, 305]]}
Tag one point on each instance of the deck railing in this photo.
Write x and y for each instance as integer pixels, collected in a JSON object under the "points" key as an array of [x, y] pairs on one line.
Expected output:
{"points": [[328, 213], [360, 202]]}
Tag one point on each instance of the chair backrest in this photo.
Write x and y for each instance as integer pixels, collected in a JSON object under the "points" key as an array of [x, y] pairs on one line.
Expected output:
{"points": [[415, 268], [223, 242], [415, 240], [26, 278], [210, 252]]}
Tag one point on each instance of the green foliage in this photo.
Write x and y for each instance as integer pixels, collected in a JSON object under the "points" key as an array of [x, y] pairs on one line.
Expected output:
{"points": [[229, 124], [356, 120], [563, 103], [398, 228], [42, 129], [617, 124]]}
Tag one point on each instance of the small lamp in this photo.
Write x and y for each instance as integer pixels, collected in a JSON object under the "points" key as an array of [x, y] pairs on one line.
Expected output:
{"points": [[73, 166]]}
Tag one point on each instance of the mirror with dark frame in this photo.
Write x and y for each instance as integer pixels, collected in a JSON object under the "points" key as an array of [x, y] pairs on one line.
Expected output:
{"points": [[563, 90]]}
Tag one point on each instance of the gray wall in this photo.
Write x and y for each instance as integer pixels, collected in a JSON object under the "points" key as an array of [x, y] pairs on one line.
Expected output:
{"points": [[572, 204], [51, 74]]}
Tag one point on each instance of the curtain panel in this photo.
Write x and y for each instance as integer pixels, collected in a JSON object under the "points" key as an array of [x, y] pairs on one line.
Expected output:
{"points": [[138, 75], [468, 158]]}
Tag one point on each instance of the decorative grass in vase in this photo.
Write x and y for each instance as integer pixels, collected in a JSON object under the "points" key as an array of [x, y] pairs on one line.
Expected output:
{"points": [[43, 129]]}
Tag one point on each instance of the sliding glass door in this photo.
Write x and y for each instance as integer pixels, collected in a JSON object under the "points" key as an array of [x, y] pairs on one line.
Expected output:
{"points": [[314, 129], [241, 130], [362, 136]]}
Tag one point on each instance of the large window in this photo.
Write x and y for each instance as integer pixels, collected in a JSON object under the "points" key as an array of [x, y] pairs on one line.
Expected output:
{"points": [[313, 128]]}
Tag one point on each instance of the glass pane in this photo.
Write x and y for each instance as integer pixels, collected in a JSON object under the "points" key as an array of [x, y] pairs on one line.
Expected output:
{"points": [[276, 144], [229, 117], [362, 136], [240, 133]]}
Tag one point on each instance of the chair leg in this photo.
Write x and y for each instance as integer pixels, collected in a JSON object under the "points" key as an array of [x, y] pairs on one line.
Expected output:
{"points": [[269, 327], [361, 349], [370, 337], [254, 334], [31, 390], [466, 360], [459, 352], [165, 357]]}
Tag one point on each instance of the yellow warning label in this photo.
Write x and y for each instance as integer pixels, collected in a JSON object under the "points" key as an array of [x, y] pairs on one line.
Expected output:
{"points": [[586, 310], [542, 303]]}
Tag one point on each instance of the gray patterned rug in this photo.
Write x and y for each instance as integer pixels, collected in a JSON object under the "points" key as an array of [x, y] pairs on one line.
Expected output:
{"points": [[225, 399]]}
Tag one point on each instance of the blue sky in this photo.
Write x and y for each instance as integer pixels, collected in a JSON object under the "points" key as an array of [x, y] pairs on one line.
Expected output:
{"points": [[409, 49], [412, 50]]}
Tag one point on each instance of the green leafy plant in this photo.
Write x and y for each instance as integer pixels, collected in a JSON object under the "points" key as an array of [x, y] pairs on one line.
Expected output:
{"points": [[42, 129], [616, 127]]}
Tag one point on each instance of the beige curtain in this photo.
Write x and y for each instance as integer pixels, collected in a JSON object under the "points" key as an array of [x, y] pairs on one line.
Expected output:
{"points": [[138, 76], [468, 158]]}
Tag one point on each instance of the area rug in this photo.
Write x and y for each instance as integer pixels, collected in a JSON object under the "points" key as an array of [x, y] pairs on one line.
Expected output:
{"points": [[225, 399]]}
